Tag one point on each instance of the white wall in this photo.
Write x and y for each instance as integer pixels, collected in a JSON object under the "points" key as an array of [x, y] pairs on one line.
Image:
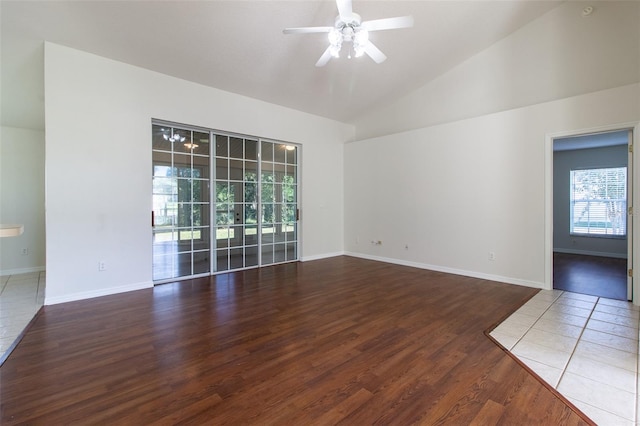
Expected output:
{"points": [[559, 55], [563, 163], [454, 192], [459, 167], [98, 166], [22, 199]]}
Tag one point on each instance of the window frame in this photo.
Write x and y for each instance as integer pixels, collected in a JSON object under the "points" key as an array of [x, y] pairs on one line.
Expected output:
{"points": [[593, 231]]}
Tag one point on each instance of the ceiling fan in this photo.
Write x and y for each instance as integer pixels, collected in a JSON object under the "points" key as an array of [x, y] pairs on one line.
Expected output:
{"points": [[350, 28]]}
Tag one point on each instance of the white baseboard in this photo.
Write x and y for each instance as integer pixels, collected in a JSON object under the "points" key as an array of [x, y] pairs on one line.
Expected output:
{"points": [[96, 293], [321, 256], [139, 286], [591, 253], [472, 274], [5, 272]]}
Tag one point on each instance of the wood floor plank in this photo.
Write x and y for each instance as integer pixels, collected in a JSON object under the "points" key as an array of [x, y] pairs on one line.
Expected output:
{"points": [[489, 414], [334, 341]]}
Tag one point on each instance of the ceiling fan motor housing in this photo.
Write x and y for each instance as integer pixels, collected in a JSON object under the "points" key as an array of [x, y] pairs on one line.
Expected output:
{"points": [[349, 27]]}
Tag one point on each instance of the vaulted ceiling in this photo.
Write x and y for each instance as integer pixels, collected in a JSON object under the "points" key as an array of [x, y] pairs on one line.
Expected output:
{"points": [[238, 46]]}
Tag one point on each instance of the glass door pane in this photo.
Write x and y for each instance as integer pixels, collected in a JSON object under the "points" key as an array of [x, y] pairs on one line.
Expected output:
{"points": [[279, 207], [236, 202], [250, 232], [181, 202]]}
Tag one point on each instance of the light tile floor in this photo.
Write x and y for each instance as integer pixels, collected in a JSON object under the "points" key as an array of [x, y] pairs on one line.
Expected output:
{"points": [[586, 347], [21, 296]]}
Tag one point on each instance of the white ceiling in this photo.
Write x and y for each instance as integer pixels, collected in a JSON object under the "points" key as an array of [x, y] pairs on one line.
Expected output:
{"points": [[238, 46]]}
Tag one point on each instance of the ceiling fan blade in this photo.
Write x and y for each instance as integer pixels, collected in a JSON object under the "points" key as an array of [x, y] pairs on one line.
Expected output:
{"points": [[324, 58], [345, 10], [388, 23], [374, 53], [307, 30]]}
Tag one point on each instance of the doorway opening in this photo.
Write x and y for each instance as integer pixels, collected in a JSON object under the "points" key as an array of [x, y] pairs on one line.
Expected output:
{"points": [[592, 193]]}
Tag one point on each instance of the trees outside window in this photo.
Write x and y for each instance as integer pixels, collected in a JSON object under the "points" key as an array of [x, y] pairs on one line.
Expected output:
{"points": [[599, 201]]}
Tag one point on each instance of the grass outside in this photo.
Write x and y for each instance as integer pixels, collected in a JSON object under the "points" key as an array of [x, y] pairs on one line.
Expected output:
{"points": [[221, 233]]}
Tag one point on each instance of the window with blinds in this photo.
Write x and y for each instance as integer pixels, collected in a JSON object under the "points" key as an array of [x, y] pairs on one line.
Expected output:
{"points": [[599, 202]]}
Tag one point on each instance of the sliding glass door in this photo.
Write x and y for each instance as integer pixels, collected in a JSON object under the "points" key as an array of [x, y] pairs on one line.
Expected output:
{"points": [[249, 191]]}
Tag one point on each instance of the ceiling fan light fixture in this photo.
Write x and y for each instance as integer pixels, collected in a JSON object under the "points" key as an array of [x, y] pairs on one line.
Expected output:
{"points": [[360, 40], [335, 42], [350, 28], [173, 138], [335, 37]]}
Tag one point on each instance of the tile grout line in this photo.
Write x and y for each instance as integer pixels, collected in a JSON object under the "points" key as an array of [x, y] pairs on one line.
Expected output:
{"points": [[584, 327], [38, 287], [535, 322], [5, 284], [30, 285], [596, 303]]}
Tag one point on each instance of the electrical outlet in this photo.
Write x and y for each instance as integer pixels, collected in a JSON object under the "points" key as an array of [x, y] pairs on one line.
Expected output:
{"points": [[102, 266], [25, 251], [492, 255]]}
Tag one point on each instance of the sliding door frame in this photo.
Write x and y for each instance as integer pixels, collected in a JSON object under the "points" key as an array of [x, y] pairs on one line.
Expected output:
{"points": [[213, 226]]}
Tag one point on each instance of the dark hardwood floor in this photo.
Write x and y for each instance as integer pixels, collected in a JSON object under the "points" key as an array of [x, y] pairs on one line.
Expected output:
{"points": [[335, 341], [594, 275]]}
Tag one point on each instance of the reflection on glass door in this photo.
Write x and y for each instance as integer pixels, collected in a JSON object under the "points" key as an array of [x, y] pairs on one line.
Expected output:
{"points": [[279, 208], [181, 212], [256, 202], [236, 189]]}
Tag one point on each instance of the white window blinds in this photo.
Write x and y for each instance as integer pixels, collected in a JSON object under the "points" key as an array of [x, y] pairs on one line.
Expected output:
{"points": [[599, 201]]}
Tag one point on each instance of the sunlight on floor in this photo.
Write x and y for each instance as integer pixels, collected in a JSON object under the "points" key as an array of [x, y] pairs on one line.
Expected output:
{"points": [[584, 346]]}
